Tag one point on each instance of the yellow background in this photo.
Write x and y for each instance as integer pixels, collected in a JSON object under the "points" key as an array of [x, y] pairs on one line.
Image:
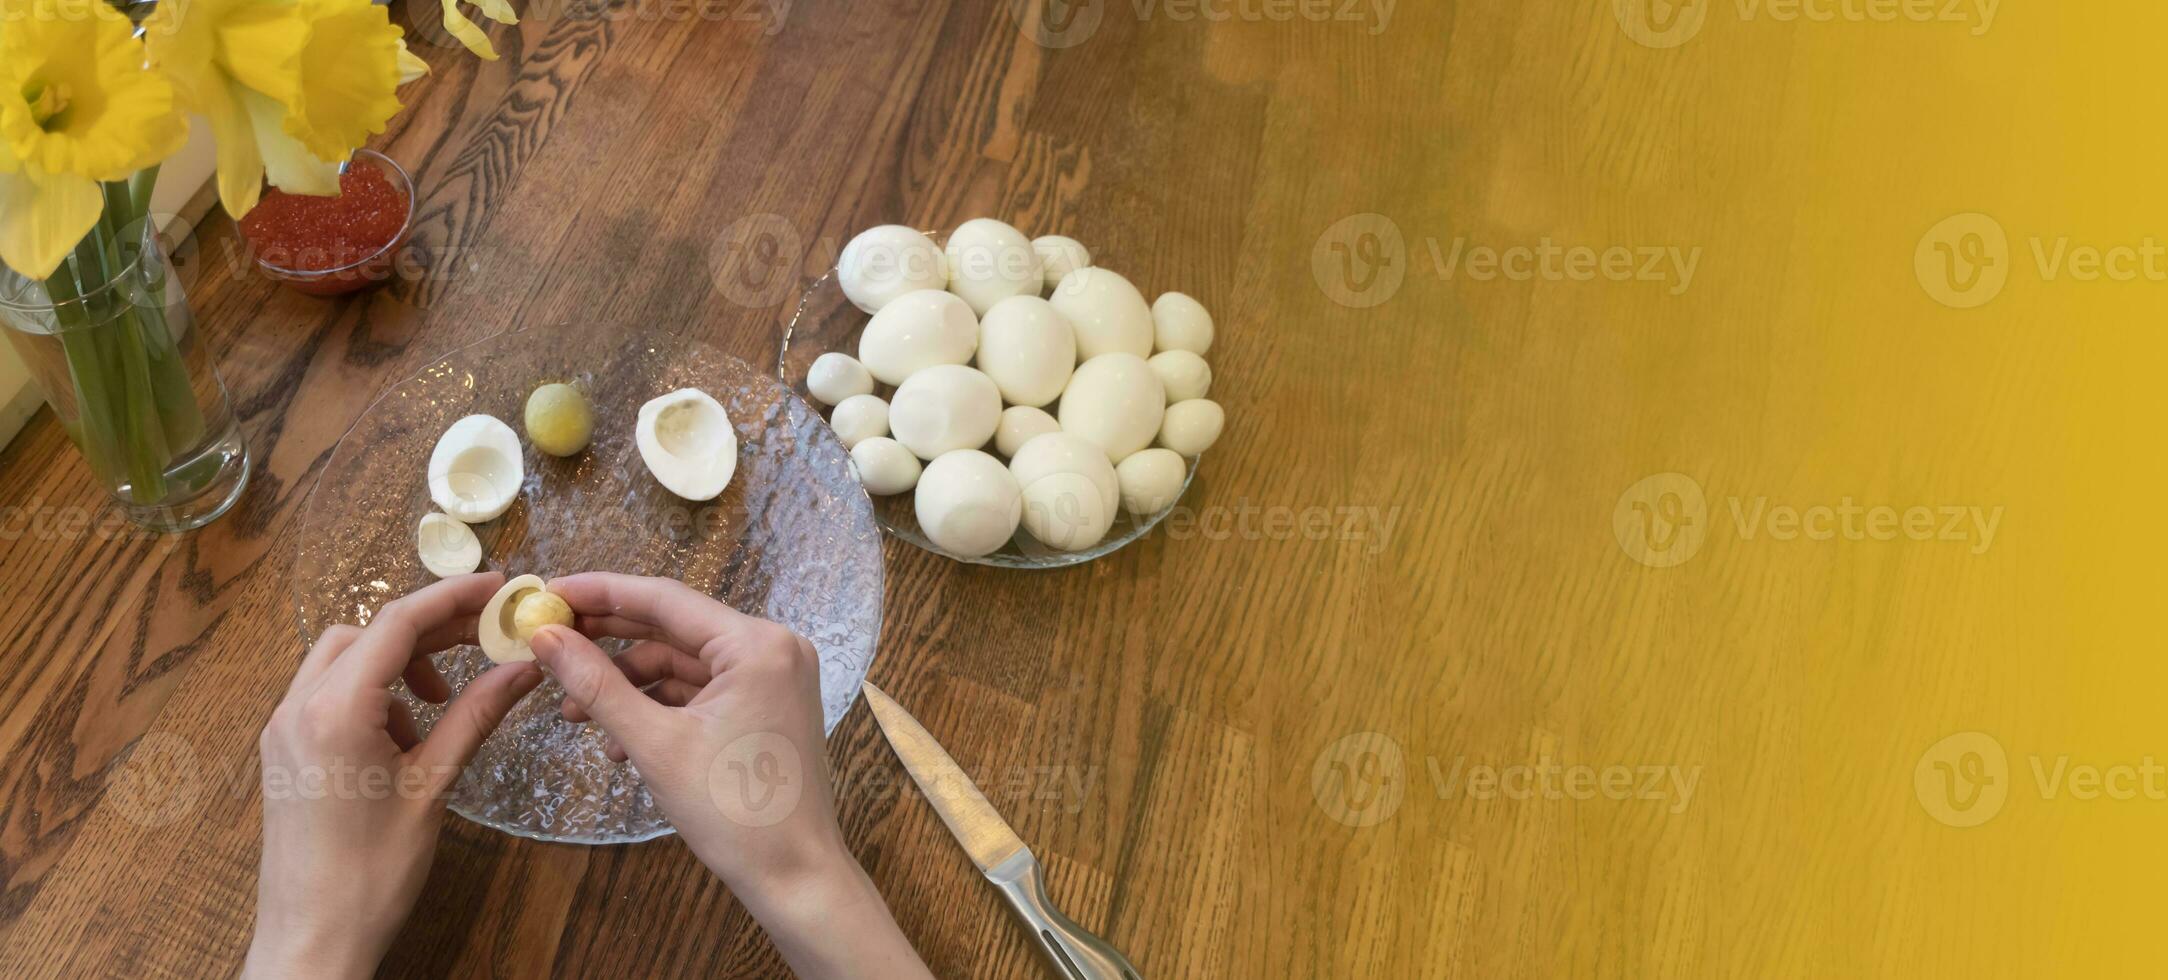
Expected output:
{"points": [[1808, 363]]}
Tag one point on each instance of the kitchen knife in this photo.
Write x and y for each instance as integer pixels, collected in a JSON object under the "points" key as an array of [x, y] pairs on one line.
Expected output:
{"points": [[994, 847]]}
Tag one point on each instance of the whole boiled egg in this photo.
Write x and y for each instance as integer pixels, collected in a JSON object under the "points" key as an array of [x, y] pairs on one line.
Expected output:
{"points": [[1184, 374], [915, 331], [859, 418], [1019, 425], [1107, 312], [884, 263], [1192, 427], [1150, 479], [945, 408], [836, 376], [1115, 402], [968, 503], [1181, 323], [1071, 495], [990, 261], [1028, 349], [1059, 255], [883, 466]]}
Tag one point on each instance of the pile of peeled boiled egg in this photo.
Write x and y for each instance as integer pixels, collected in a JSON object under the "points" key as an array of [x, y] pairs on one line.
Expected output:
{"points": [[1093, 396], [476, 471]]}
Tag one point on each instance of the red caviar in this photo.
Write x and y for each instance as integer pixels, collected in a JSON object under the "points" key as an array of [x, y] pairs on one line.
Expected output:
{"points": [[312, 234]]}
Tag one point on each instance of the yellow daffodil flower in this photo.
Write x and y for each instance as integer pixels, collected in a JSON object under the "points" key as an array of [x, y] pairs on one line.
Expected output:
{"points": [[291, 87], [77, 106], [469, 33]]}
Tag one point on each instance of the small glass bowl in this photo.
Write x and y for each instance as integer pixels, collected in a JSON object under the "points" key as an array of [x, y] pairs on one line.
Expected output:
{"points": [[369, 270], [826, 320]]}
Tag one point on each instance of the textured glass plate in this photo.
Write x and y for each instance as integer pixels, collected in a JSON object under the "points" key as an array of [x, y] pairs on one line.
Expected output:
{"points": [[826, 321], [792, 539]]}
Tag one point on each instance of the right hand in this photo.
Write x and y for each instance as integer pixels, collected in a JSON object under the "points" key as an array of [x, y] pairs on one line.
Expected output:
{"points": [[729, 740]]}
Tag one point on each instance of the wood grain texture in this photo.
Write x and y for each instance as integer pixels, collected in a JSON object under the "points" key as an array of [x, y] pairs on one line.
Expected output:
{"points": [[1149, 721]]}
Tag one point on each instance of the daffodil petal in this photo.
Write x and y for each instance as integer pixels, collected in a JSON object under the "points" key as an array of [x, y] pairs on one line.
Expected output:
{"points": [[467, 32], [240, 163], [291, 167], [41, 219], [261, 44], [411, 66], [498, 10], [349, 77]]}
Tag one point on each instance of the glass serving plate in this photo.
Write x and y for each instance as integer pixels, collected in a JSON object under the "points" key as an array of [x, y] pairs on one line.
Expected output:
{"points": [[792, 539], [827, 321]]}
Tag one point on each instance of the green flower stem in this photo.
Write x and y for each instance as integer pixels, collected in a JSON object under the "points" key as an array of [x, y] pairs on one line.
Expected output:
{"points": [[136, 409]]}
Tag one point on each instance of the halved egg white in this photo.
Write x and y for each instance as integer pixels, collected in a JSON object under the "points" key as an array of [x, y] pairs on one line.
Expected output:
{"points": [[447, 547], [475, 470], [686, 440], [512, 616]]}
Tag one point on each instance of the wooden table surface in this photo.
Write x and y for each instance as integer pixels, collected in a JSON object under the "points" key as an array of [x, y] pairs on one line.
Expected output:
{"points": [[1239, 745]]}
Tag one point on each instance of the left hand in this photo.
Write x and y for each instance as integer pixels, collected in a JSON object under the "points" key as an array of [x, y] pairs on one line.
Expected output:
{"points": [[353, 797]]}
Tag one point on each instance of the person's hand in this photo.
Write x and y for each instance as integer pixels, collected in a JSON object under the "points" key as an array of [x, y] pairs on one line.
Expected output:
{"points": [[353, 798], [728, 738]]}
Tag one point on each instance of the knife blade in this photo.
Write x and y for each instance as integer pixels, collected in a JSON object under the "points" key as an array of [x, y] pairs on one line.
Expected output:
{"points": [[986, 837], [995, 848]]}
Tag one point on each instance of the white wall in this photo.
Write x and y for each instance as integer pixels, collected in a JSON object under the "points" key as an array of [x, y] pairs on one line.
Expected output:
{"points": [[182, 176]]}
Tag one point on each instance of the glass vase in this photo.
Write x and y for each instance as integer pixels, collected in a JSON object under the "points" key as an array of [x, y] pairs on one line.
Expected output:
{"points": [[110, 340]]}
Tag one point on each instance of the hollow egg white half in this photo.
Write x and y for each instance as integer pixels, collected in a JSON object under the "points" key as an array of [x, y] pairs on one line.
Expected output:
{"points": [[686, 441], [447, 547], [475, 470]]}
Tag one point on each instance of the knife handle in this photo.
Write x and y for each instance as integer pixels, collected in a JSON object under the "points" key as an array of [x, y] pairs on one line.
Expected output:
{"points": [[1075, 953]]}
